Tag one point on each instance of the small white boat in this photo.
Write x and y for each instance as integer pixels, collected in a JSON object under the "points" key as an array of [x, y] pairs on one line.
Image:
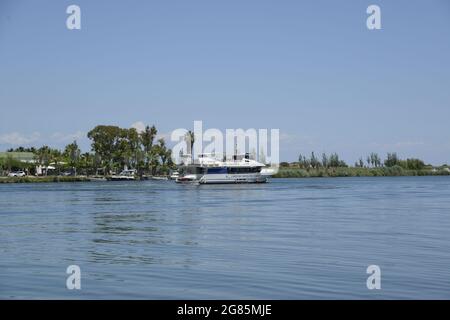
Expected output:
{"points": [[175, 175], [187, 178], [125, 175]]}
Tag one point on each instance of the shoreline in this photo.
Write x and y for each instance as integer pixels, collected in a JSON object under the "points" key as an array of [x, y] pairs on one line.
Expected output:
{"points": [[46, 179], [282, 174], [396, 171]]}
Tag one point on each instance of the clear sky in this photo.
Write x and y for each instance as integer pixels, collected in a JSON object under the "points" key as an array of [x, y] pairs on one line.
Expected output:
{"points": [[310, 68]]}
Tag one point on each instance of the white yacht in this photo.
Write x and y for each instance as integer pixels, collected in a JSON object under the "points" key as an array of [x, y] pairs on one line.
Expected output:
{"points": [[208, 170]]}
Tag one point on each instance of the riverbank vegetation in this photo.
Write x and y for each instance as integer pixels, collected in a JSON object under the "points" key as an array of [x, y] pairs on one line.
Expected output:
{"points": [[293, 172], [113, 149], [43, 179], [373, 166]]}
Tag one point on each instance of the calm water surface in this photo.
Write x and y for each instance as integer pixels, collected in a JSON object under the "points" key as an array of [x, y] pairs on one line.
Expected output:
{"points": [[288, 239]]}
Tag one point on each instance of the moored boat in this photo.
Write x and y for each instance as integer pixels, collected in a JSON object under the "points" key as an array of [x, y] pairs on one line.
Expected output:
{"points": [[125, 175], [208, 170], [174, 176]]}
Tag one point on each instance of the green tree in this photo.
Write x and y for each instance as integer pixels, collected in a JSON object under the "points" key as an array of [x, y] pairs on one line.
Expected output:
{"points": [[56, 159], [392, 160], [105, 142], [43, 157], [10, 164], [147, 139], [335, 162], [314, 162], [412, 164], [72, 155], [134, 147], [165, 156], [324, 160], [86, 162], [374, 159]]}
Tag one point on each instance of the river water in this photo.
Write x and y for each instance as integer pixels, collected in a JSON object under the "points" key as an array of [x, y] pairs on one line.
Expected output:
{"points": [[287, 239]]}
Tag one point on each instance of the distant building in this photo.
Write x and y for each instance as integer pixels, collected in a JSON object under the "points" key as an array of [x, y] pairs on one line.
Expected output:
{"points": [[23, 157], [26, 157]]}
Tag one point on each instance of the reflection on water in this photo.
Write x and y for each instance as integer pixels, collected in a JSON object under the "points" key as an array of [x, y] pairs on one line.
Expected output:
{"points": [[293, 239]]}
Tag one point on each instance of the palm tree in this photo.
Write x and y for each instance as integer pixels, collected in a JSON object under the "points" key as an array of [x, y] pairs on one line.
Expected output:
{"points": [[72, 154], [55, 158], [42, 157], [87, 162], [361, 162]]}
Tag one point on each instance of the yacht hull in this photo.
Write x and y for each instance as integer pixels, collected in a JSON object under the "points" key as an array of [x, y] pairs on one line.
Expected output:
{"points": [[231, 178]]}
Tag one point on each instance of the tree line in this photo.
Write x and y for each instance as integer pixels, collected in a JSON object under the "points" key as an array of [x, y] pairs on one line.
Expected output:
{"points": [[313, 161], [373, 160], [392, 160], [117, 148], [112, 149]]}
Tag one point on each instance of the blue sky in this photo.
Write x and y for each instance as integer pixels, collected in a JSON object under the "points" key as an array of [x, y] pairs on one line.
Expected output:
{"points": [[310, 68]]}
